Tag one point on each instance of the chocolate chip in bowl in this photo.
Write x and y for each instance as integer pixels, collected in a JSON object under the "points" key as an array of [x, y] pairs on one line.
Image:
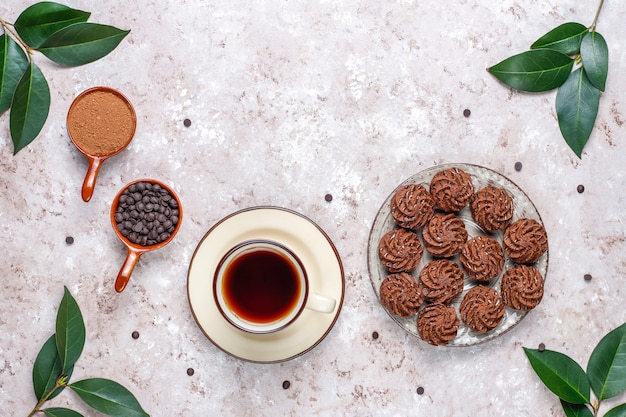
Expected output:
{"points": [[480, 178], [146, 215]]}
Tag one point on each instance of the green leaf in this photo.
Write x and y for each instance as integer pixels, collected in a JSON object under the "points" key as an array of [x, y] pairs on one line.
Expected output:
{"points": [[607, 365], [576, 410], [564, 38], [13, 63], [577, 102], [36, 23], [47, 369], [561, 374], [594, 53], [29, 108], [619, 411], [108, 397], [534, 71], [61, 412], [82, 43], [70, 329]]}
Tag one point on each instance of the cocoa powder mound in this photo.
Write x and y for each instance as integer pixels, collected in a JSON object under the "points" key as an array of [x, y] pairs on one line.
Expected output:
{"points": [[101, 123]]}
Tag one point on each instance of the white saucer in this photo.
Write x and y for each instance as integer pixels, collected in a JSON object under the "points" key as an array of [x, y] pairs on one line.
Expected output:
{"points": [[321, 261]]}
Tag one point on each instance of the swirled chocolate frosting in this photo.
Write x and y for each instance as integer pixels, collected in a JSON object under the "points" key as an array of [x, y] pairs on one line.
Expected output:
{"points": [[400, 250], [482, 258], [412, 206], [482, 309], [522, 287], [400, 294], [452, 189], [525, 240], [492, 208], [437, 324], [444, 235], [441, 281]]}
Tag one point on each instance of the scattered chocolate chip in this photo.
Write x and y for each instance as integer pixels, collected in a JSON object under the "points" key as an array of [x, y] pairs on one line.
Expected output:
{"points": [[135, 334], [420, 390], [328, 197], [286, 384], [467, 112], [580, 189], [187, 122], [541, 347], [190, 371], [518, 166], [588, 277], [375, 335], [69, 240]]}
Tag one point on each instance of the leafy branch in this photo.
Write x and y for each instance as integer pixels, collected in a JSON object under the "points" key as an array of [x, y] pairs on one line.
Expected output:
{"points": [[54, 365], [61, 34], [574, 60], [606, 376]]}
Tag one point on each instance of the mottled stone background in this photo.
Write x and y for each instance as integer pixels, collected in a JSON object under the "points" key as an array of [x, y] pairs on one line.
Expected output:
{"points": [[289, 101]]}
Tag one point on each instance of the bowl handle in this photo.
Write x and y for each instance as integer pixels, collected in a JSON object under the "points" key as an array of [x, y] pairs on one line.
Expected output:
{"points": [[127, 269], [90, 178]]}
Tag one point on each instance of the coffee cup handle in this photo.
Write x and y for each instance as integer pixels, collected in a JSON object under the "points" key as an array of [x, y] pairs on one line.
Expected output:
{"points": [[320, 303]]}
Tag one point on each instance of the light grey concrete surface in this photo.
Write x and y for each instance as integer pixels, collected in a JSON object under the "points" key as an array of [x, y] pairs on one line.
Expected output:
{"points": [[290, 101]]}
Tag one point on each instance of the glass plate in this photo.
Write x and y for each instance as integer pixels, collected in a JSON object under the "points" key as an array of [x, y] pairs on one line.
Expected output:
{"points": [[481, 177]]}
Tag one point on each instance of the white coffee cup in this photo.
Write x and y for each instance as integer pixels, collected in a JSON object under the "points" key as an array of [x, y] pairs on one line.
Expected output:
{"points": [[261, 286]]}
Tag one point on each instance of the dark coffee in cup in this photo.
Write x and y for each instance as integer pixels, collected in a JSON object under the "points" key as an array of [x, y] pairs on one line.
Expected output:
{"points": [[262, 285]]}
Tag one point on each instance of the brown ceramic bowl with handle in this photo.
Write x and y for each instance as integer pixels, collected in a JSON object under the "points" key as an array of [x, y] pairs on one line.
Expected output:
{"points": [[134, 249], [101, 123]]}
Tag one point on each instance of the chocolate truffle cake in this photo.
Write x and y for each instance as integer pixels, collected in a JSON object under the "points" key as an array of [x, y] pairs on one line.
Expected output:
{"points": [[452, 189], [492, 208], [482, 309], [482, 258], [412, 206], [400, 294], [400, 250], [522, 287], [525, 240], [437, 324], [444, 235], [441, 281]]}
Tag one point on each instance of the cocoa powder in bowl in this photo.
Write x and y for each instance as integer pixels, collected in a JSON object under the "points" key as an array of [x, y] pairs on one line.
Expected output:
{"points": [[101, 122]]}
